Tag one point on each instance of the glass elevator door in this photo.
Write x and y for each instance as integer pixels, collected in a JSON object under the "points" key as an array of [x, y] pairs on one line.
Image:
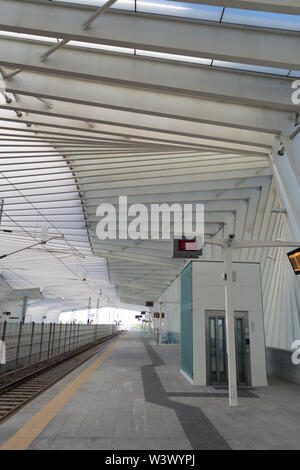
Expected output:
{"points": [[216, 348]]}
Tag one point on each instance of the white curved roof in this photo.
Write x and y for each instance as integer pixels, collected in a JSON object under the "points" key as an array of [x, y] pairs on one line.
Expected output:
{"points": [[161, 101], [34, 206]]}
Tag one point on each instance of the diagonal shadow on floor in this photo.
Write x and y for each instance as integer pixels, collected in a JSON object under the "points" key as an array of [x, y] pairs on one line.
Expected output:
{"points": [[198, 428]]}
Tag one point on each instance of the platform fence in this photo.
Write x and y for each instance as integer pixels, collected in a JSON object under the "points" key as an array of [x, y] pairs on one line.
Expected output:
{"points": [[29, 343]]}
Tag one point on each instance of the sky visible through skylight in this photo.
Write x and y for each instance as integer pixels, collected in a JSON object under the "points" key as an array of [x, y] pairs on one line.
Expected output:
{"points": [[203, 12]]}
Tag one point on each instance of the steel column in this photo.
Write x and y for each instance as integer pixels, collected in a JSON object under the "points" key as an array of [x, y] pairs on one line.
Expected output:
{"points": [[19, 341], [31, 341], [230, 329]]}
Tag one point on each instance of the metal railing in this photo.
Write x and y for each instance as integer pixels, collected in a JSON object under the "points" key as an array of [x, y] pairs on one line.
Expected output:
{"points": [[28, 343]]}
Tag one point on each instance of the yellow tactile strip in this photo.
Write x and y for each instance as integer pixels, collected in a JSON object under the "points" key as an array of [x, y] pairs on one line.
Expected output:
{"points": [[25, 436]]}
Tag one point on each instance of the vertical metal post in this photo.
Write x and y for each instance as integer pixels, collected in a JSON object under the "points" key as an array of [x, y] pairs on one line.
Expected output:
{"points": [[31, 341], [53, 339], [78, 330], [24, 308], [59, 338], [74, 336], [4, 330], [70, 336], [89, 309], [154, 327], [49, 339], [160, 312], [41, 341], [19, 342], [1, 209], [96, 330], [230, 329], [97, 311], [65, 341]]}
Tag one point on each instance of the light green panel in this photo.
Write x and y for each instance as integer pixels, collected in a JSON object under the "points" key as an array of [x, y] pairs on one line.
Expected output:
{"points": [[186, 320]]}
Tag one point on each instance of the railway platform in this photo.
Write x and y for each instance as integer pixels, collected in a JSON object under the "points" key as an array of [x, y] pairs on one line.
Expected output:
{"points": [[131, 396]]}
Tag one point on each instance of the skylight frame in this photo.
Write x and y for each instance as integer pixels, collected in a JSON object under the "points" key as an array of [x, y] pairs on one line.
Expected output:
{"points": [[221, 18]]}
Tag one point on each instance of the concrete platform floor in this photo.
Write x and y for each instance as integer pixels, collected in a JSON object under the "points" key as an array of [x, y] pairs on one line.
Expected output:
{"points": [[137, 399]]}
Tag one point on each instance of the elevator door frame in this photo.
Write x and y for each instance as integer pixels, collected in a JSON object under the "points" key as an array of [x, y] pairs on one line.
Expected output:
{"points": [[237, 315]]}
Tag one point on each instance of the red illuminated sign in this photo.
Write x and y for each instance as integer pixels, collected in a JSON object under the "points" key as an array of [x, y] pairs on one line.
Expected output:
{"points": [[187, 245], [187, 249]]}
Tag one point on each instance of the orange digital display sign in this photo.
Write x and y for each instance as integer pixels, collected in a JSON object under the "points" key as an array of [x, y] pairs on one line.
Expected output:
{"points": [[294, 257]]}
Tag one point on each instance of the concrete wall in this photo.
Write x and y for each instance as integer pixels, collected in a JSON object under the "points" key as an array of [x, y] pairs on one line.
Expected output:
{"points": [[281, 301], [280, 365]]}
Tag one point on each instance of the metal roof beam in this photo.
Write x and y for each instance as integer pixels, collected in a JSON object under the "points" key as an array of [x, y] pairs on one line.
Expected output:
{"points": [[74, 95], [154, 32], [128, 125], [207, 82]]}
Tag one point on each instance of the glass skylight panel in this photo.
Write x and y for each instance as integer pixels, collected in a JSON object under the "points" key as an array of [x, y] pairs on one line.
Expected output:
{"points": [[250, 68], [102, 47], [27, 36], [119, 5], [261, 19], [184, 10], [181, 58]]}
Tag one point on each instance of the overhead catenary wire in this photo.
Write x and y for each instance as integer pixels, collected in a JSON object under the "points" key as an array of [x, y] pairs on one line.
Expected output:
{"points": [[55, 228]]}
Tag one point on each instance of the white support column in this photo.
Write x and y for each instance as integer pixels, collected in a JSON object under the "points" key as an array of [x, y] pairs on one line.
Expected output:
{"points": [[160, 312], [89, 309], [230, 329], [97, 311], [24, 308], [285, 162], [287, 182], [291, 145], [149, 322]]}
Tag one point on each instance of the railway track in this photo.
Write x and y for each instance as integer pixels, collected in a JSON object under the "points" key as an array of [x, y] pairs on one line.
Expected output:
{"points": [[18, 393]]}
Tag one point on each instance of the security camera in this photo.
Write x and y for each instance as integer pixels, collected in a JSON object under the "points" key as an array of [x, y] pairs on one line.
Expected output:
{"points": [[281, 152], [232, 236], [19, 114]]}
